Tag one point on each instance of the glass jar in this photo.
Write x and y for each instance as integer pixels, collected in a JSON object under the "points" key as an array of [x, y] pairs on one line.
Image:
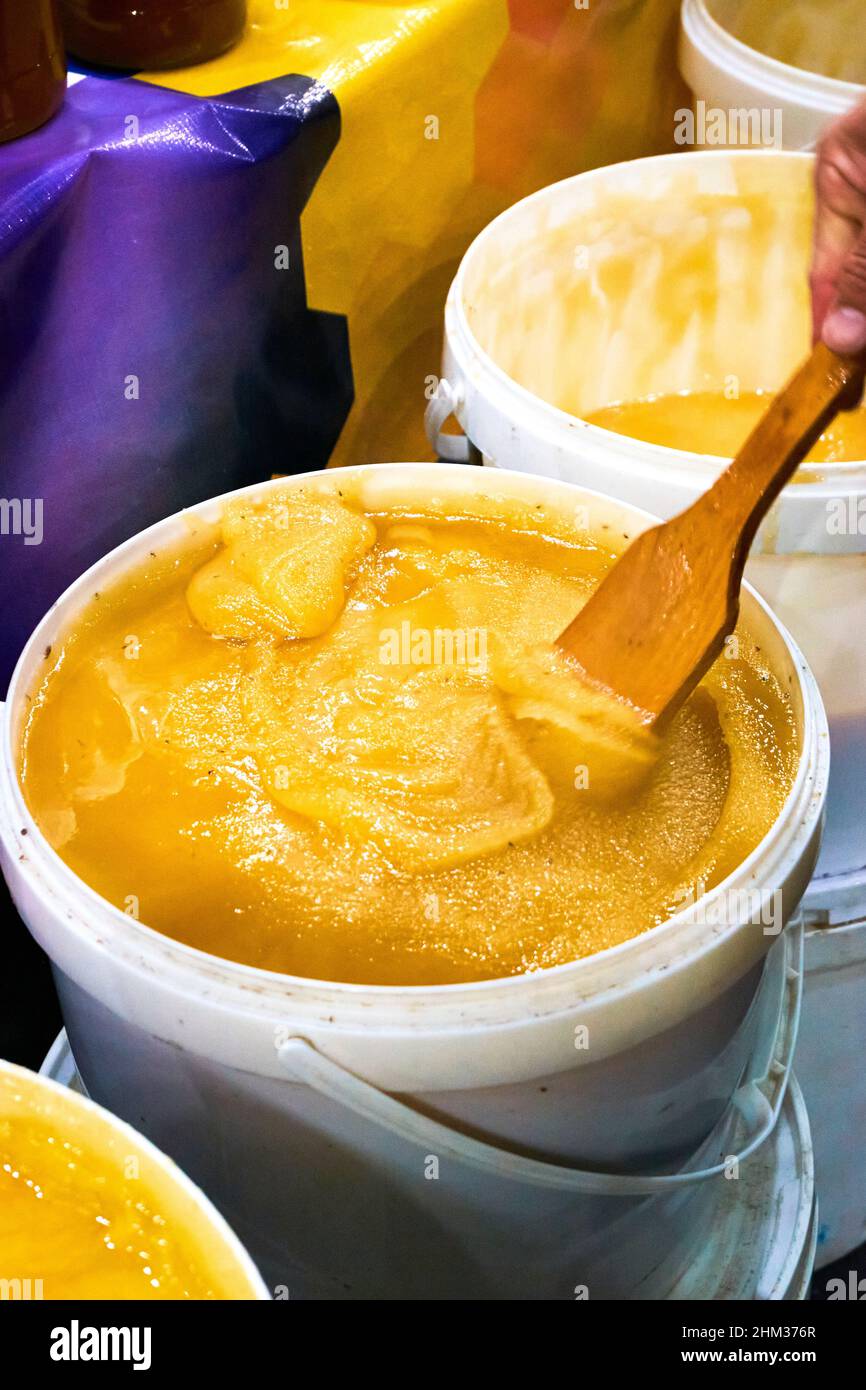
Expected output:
{"points": [[141, 34], [32, 65]]}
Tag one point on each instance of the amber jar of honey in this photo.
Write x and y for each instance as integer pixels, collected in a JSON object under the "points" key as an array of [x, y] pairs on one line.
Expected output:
{"points": [[141, 34], [32, 65]]}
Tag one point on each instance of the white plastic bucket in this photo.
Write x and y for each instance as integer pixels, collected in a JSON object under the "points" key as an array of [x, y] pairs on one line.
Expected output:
{"points": [[252, 1079], [729, 75], [215, 1248], [761, 1228]]}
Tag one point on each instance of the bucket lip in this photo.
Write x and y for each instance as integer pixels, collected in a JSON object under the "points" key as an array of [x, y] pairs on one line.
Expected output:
{"points": [[76, 1100], [820, 481], [836, 948], [796, 1249], [780, 79], [145, 945], [769, 1246]]}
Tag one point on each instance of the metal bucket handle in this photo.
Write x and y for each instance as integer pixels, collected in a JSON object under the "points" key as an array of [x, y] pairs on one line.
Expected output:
{"points": [[759, 1099]]}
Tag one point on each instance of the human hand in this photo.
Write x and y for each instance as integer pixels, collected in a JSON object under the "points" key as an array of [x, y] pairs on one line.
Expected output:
{"points": [[838, 274]]}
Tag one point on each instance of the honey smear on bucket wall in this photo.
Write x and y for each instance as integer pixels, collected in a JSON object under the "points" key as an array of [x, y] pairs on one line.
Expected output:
{"points": [[814, 35], [339, 744]]}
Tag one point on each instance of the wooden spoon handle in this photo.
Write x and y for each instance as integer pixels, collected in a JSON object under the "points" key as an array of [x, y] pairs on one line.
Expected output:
{"points": [[780, 441], [659, 618]]}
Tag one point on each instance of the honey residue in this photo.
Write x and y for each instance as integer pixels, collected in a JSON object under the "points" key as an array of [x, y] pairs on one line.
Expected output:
{"points": [[710, 422], [812, 34], [344, 746]]}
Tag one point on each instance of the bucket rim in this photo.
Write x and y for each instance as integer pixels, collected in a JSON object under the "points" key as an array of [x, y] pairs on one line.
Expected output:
{"points": [[785, 81], [789, 1237], [819, 481]]}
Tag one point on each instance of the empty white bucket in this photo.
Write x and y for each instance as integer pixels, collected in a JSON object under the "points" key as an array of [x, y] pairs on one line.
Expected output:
{"points": [[798, 65], [572, 298], [316, 1113]]}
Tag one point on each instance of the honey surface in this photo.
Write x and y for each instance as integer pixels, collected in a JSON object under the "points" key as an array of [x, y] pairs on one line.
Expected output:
{"points": [[79, 1223], [343, 746], [707, 422]]}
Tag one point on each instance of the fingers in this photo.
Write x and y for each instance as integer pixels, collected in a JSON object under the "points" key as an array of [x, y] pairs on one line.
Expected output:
{"points": [[838, 275], [844, 330], [835, 237], [843, 325]]}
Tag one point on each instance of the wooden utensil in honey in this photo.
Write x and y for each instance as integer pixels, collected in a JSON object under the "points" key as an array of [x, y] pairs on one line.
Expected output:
{"points": [[660, 616]]}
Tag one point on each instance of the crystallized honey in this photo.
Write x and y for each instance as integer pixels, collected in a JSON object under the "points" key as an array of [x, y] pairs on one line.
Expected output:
{"points": [[344, 746], [709, 422], [85, 1213]]}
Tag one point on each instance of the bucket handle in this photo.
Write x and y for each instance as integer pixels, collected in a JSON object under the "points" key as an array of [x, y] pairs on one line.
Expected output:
{"points": [[759, 1100], [451, 448]]}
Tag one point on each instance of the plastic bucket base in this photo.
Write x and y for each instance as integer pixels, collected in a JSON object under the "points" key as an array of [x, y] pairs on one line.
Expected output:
{"points": [[830, 1065], [763, 1245], [763, 1225]]}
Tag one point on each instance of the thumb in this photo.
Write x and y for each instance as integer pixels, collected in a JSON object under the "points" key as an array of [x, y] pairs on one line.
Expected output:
{"points": [[844, 327]]}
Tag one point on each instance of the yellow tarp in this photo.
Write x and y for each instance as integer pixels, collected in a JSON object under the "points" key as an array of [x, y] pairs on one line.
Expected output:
{"points": [[451, 110]]}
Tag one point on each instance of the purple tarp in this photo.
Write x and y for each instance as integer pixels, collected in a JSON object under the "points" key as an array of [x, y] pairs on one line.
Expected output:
{"points": [[152, 350]]}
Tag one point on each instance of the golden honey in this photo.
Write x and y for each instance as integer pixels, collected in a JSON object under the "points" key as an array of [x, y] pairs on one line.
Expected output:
{"points": [[709, 422], [343, 746], [86, 1213]]}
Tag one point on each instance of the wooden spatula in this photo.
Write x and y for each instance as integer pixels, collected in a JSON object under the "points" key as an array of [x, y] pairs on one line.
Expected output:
{"points": [[660, 616]]}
